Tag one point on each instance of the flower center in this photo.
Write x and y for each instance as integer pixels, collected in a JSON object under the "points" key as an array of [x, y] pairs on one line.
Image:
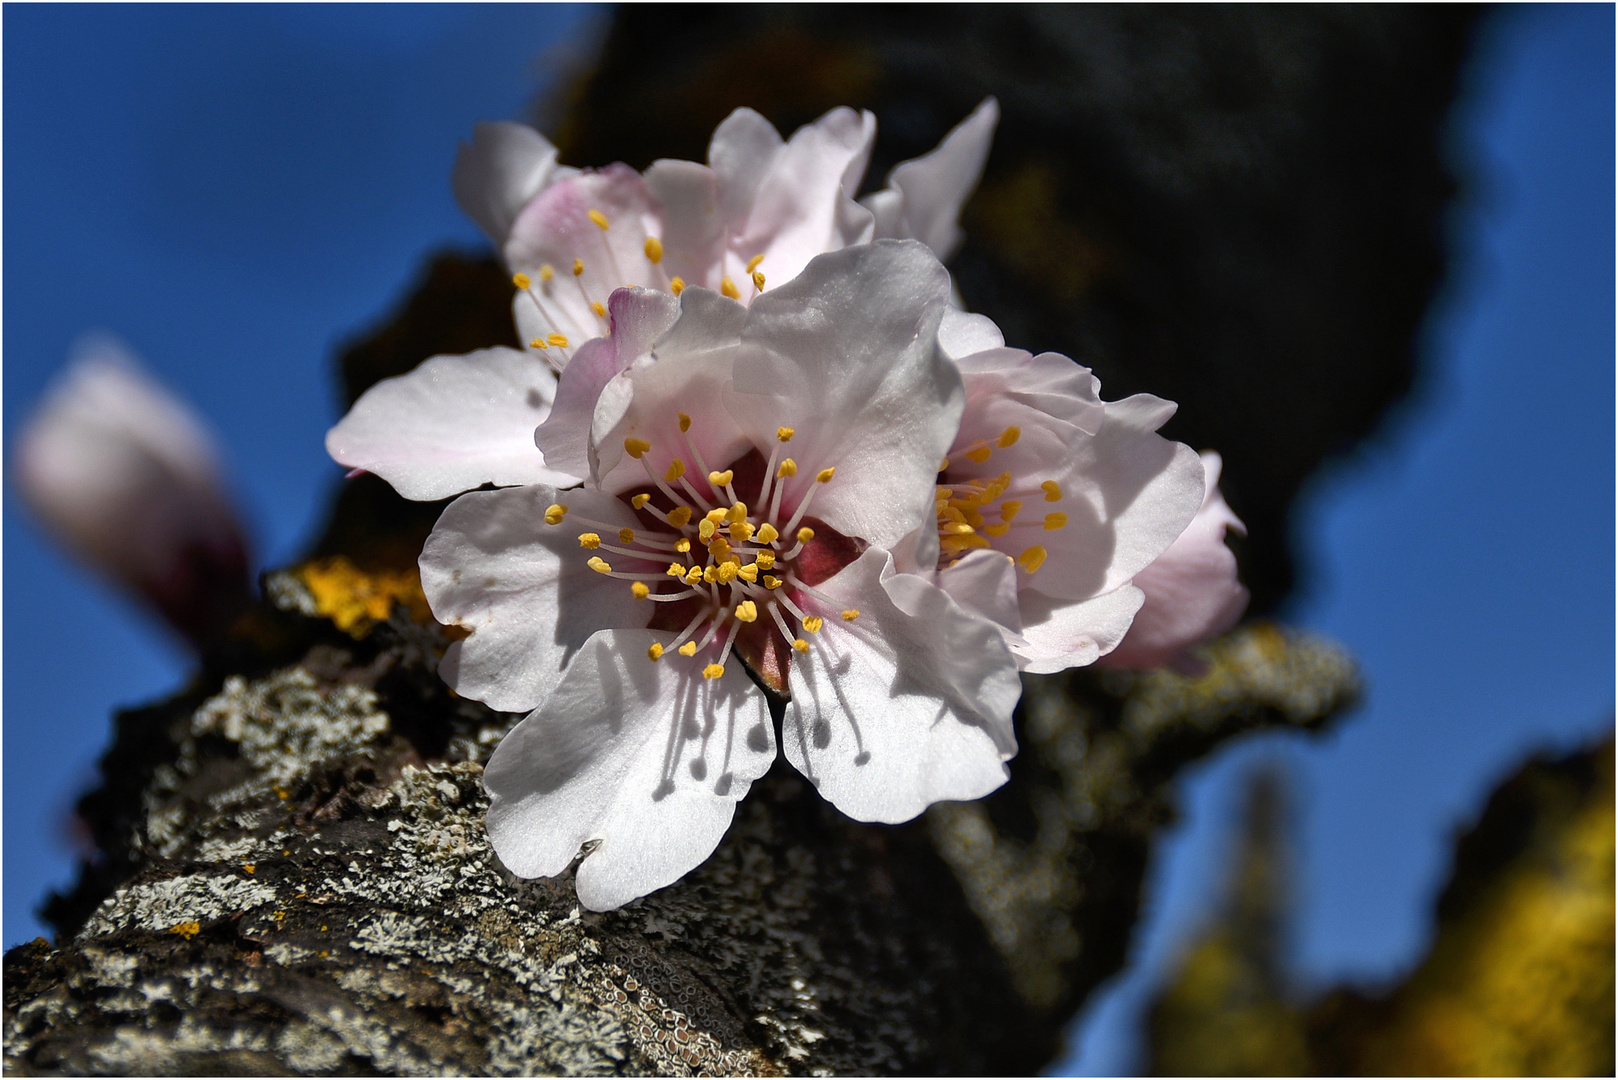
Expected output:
{"points": [[981, 511], [606, 276], [721, 569]]}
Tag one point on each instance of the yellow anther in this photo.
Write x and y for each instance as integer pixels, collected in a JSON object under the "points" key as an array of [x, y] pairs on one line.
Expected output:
{"points": [[725, 573], [688, 649], [768, 533], [1009, 508], [786, 468], [784, 434], [752, 264], [813, 623], [599, 308], [740, 532], [825, 475], [1052, 490], [951, 513], [682, 545], [850, 614], [696, 574], [800, 644], [942, 465], [738, 511], [720, 479], [655, 651], [547, 272], [980, 454], [680, 516], [556, 341], [538, 343], [677, 285], [998, 530], [685, 422], [765, 559], [719, 514], [706, 529], [713, 671], [956, 528], [719, 547], [641, 590], [709, 574], [654, 250], [805, 535], [590, 541], [1032, 559], [748, 573], [640, 500], [598, 219], [626, 536], [554, 513], [954, 545], [522, 281], [1055, 521], [758, 280], [728, 288], [1010, 436], [600, 565], [636, 447], [771, 582], [578, 267], [747, 611], [676, 470], [677, 569]]}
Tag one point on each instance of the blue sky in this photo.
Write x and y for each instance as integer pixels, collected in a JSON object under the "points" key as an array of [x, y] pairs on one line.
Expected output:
{"points": [[235, 191]]}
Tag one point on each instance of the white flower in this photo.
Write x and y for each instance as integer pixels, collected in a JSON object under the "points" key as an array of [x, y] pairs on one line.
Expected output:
{"points": [[128, 478], [750, 468], [1051, 500], [757, 212], [1191, 589], [762, 206]]}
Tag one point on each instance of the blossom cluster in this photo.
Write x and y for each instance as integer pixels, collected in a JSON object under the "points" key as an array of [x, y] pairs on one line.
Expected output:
{"points": [[753, 454]]}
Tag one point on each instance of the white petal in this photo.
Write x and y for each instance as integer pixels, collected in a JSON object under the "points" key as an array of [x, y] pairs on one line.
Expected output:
{"points": [[845, 355], [452, 424], [638, 317], [961, 334], [1059, 634], [908, 704], [935, 187], [985, 584], [495, 176], [693, 227], [524, 589], [743, 149], [647, 758]]}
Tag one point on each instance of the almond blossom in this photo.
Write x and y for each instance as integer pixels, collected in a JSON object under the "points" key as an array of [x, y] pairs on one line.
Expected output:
{"points": [[762, 206], [1191, 589], [129, 478], [750, 470]]}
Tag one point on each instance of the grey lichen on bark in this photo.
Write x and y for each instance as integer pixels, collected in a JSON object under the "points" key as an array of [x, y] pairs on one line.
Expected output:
{"points": [[314, 892]]}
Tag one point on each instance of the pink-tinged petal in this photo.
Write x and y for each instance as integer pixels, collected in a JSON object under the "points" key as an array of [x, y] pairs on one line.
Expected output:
{"points": [[1191, 589], [743, 149], [129, 479], [845, 356], [693, 226], [638, 317], [557, 230], [500, 171], [908, 704], [687, 372], [932, 189], [961, 334], [645, 760], [452, 424], [803, 202], [1048, 384], [1060, 634], [524, 589]]}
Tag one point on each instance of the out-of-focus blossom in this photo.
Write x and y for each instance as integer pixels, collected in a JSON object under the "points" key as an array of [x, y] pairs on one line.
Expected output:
{"points": [[1052, 502], [749, 471], [1191, 589], [128, 478], [756, 213]]}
